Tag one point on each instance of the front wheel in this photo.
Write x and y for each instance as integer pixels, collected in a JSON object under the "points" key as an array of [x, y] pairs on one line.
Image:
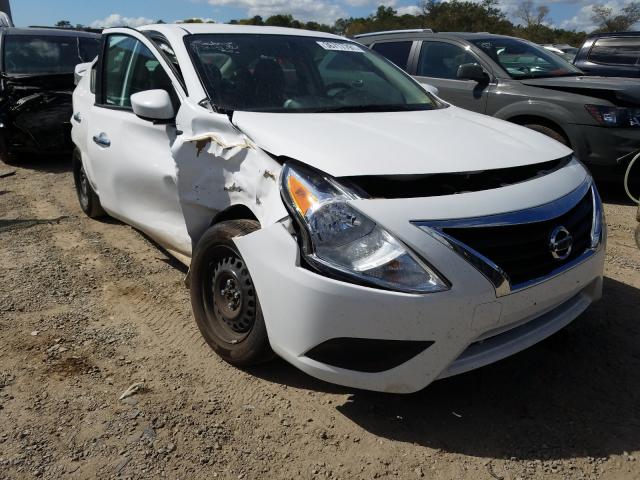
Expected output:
{"points": [[549, 132], [224, 300], [87, 197]]}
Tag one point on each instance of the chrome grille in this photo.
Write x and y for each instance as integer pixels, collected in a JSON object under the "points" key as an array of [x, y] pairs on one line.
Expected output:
{"points": [[514, 250], [522, 251]]}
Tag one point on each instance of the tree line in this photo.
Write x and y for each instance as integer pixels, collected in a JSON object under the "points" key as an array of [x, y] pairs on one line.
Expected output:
{"points": [[532, 20]]}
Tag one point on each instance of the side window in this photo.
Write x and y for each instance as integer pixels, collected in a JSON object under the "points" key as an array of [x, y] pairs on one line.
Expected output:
{"points": [[616, 51], [40, 54], [441, 60], [130, 67], [397, 52]]}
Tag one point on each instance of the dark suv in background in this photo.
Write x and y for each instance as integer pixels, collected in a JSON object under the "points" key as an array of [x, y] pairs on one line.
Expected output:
{"points": [[519, 81], [610, 54], [36, 83]]}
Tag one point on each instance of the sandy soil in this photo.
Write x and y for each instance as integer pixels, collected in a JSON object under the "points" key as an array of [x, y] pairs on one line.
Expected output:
{"points": [[88, 308]]}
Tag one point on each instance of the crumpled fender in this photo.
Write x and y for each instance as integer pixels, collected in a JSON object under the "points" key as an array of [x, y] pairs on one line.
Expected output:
{"points": [[218, 166]]}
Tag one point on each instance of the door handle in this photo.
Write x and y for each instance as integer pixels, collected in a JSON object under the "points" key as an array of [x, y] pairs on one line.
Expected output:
{"points": [[77, 117], [102, 140]]}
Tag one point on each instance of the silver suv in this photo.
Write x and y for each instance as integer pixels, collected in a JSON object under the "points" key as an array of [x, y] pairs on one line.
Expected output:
{"points": [[519, 81]]}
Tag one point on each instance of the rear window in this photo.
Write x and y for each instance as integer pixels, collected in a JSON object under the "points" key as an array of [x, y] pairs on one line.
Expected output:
{"points": [[38, 54], [616, 51], [397, 52]]}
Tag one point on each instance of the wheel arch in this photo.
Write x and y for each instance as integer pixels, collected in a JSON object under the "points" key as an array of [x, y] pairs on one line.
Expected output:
{"points": [[540, 120], [544, 113], [238, 211]]}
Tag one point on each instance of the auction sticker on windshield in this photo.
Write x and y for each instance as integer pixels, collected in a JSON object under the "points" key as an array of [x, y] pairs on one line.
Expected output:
{"points": [[340, 46]]}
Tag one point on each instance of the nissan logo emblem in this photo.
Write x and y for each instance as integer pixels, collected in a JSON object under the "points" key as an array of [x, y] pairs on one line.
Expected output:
{"points": [[560, 243]]}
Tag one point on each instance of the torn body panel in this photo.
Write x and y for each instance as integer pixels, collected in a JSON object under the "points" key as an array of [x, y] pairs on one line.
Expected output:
{"points": [[217, 167], [35, 113]]}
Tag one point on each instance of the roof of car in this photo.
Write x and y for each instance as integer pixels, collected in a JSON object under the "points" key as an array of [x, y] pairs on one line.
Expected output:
{"points": [[614, 34], [50, 32], [203, 28], [426, 33]]}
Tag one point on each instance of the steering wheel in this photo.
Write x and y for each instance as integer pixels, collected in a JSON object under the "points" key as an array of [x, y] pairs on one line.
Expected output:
{"points": [[340, 88]]}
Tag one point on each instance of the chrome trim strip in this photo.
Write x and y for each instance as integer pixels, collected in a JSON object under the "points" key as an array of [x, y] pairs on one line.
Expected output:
{"points": [[493, 272], [498, 277], [548, 211]]}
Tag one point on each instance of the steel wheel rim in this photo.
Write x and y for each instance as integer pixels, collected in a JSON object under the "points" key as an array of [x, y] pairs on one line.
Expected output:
{"points": [[229, 297]]}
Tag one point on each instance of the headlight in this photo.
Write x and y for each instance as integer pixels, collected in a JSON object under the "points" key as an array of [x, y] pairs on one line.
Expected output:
{"points": [[615, 116], [343, 241]]}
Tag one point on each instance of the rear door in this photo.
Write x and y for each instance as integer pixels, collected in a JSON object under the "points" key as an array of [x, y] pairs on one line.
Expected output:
{"points": [[438, 63], [130, 157], [613, 56]]}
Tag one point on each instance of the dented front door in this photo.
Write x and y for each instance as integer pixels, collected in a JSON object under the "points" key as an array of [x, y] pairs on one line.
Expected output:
{"points": [[131, 157]]}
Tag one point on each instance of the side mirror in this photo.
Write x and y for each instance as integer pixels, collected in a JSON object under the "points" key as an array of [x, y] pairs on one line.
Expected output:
{"points": [[430, 88], [153, 105], [472, 71]]}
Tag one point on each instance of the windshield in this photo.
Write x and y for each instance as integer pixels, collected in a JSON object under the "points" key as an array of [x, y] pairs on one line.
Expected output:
{"points": [[524, 60], [278, 73], [38, 54]]}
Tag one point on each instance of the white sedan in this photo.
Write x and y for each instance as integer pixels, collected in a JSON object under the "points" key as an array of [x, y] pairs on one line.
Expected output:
{"points": [[332, 210]]}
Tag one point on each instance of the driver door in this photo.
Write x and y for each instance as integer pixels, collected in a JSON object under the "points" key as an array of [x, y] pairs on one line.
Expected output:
{"points": [[130, 157], [438, 65]]}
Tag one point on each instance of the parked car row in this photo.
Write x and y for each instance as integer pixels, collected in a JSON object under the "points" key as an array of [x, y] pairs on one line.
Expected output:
{"points": [[518, 81]]}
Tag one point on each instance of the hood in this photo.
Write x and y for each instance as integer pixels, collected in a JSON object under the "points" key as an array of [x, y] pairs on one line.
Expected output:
{"points": [[448, 140], [618, 90]]}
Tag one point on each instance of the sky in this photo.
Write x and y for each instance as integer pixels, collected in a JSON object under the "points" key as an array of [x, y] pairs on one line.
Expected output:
{"points": [[570, 14]]}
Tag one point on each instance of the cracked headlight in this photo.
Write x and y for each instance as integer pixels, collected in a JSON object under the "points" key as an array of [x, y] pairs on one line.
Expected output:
{"points": [[339, 239]]}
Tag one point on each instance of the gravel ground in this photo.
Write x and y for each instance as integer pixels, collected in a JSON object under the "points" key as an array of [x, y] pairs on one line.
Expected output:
{"points": [[89, 308]]}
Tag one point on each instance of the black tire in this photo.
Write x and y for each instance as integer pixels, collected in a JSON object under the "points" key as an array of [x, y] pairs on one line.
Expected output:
{"points": [[224, 301], [549, 132], [87, 197]]}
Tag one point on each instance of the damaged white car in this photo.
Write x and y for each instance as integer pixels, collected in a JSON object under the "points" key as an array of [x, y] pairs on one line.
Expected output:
{"points": [[330, 208]]}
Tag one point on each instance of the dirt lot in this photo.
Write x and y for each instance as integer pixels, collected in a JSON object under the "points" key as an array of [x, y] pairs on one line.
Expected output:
{"points": [[88, 308]]}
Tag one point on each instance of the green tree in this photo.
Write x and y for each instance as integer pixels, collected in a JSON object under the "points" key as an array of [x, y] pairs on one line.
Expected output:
{"points": [[64, 24], [257, 20], [466, 16], [281, 20], [608, 22]]}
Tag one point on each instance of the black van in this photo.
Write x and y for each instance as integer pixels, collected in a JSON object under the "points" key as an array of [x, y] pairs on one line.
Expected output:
{"points": [[36, 83], [610, 55]]}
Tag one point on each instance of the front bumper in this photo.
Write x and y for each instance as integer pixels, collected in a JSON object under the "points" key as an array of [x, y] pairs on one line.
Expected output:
{"points": [[468, 325], [605, 146]]}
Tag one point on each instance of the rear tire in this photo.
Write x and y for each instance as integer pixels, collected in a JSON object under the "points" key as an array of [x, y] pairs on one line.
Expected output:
{"points": [[549, 132], [87, 197], [223, 298]]}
